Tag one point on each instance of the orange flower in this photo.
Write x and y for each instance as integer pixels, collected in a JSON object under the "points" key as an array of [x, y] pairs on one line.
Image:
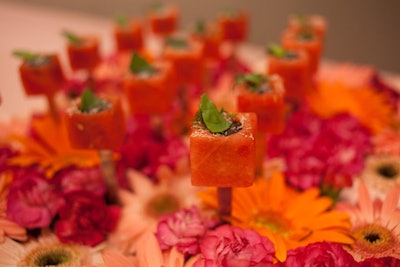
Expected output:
{"points": [[290, 219], [51, 149], [331, 98]]}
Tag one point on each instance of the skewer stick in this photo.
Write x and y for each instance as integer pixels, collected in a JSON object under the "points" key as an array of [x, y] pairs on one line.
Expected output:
{"points": [[224, 203], [53, 108], [108, 170]]}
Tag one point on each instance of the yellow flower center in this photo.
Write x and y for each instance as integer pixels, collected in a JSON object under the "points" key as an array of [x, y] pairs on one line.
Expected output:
{"points": [[58, 255], [164, 203], [273, 221], [373, 240]]}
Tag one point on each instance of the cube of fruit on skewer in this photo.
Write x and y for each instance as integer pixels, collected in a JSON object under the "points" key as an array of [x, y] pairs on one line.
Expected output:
{"points": [[315, 23], [265, 96], [233, 26], [163, 19], [186, 55], [210, 36], [307, 41], [222, 156], [149, 88], [293, 67], [40, 74], [95, 123], [128, 34], [83, 51]]}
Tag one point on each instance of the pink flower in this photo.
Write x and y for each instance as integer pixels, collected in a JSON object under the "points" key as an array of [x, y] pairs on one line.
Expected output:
{"points": [[85, 219], [184, 229], [32, 201], [319, 254], [74, 179], [145, 150], [380, 262], [315, 149], [230, 246]]}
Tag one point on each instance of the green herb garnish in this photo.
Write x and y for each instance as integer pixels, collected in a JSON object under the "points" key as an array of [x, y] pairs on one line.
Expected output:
{"points": [[200, 27], [301, 19], [122, 21], [253, 81], [279, 52], [156, 7], [212, 118], [90, 102], [27, 56], [140, 65], [305, 35], [72, 38], [177, 43], [34, 60]]}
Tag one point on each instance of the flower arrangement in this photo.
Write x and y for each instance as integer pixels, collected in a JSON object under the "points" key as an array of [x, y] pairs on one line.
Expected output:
{"points": [[327, 195]]}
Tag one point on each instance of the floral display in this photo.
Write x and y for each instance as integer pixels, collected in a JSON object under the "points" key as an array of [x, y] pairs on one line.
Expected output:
{"points": [[325, 191]]}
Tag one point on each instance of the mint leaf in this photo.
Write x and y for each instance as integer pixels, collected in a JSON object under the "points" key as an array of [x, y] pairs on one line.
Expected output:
{"points": [[253, 81], [213, 119], [122, 21], [276, 50], [72, 38], [279, 52], [140, 65], [156, 7], [200, 27], [177, 43], [90, 102], [25, 55]]}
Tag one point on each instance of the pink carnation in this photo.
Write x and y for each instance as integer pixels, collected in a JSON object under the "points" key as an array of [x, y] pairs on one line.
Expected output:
{"points": [[230, 246], [184, 229], [32, 202], [145, 150], [85, 219], [319, 254], [315, 149], [380, 262], [73, 179]]}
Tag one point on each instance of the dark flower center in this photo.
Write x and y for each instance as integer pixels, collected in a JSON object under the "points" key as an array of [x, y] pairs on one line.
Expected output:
{"points": [[372, 237], [53, 259], [52, 255], [162, 204], [387, 170]]}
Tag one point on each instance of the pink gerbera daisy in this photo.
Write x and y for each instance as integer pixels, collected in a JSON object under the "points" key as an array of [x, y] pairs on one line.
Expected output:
{"points": [[375, 224]]}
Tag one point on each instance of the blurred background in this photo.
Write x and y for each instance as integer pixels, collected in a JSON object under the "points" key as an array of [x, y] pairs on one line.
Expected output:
{"points": [[360, 31]]}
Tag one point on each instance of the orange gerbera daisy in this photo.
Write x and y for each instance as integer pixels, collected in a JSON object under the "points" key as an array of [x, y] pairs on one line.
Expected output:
{"points": [[332, 98], [375, 224], [51, 148], [290, 219]]}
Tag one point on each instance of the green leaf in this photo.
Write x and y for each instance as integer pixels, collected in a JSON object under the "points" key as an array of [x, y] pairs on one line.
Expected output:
{"points": [[122, 21], [276, 50], [200, 27], [90, 102], [72, 38], [177, 43], [301, 19], [213, 119], [156, 7], [25, 55], [253, 81], [139, 65], [279, 52]]}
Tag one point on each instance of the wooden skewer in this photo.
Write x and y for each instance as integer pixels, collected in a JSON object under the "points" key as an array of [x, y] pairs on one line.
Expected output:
{"points": [[108, 170], [224, 203]]}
